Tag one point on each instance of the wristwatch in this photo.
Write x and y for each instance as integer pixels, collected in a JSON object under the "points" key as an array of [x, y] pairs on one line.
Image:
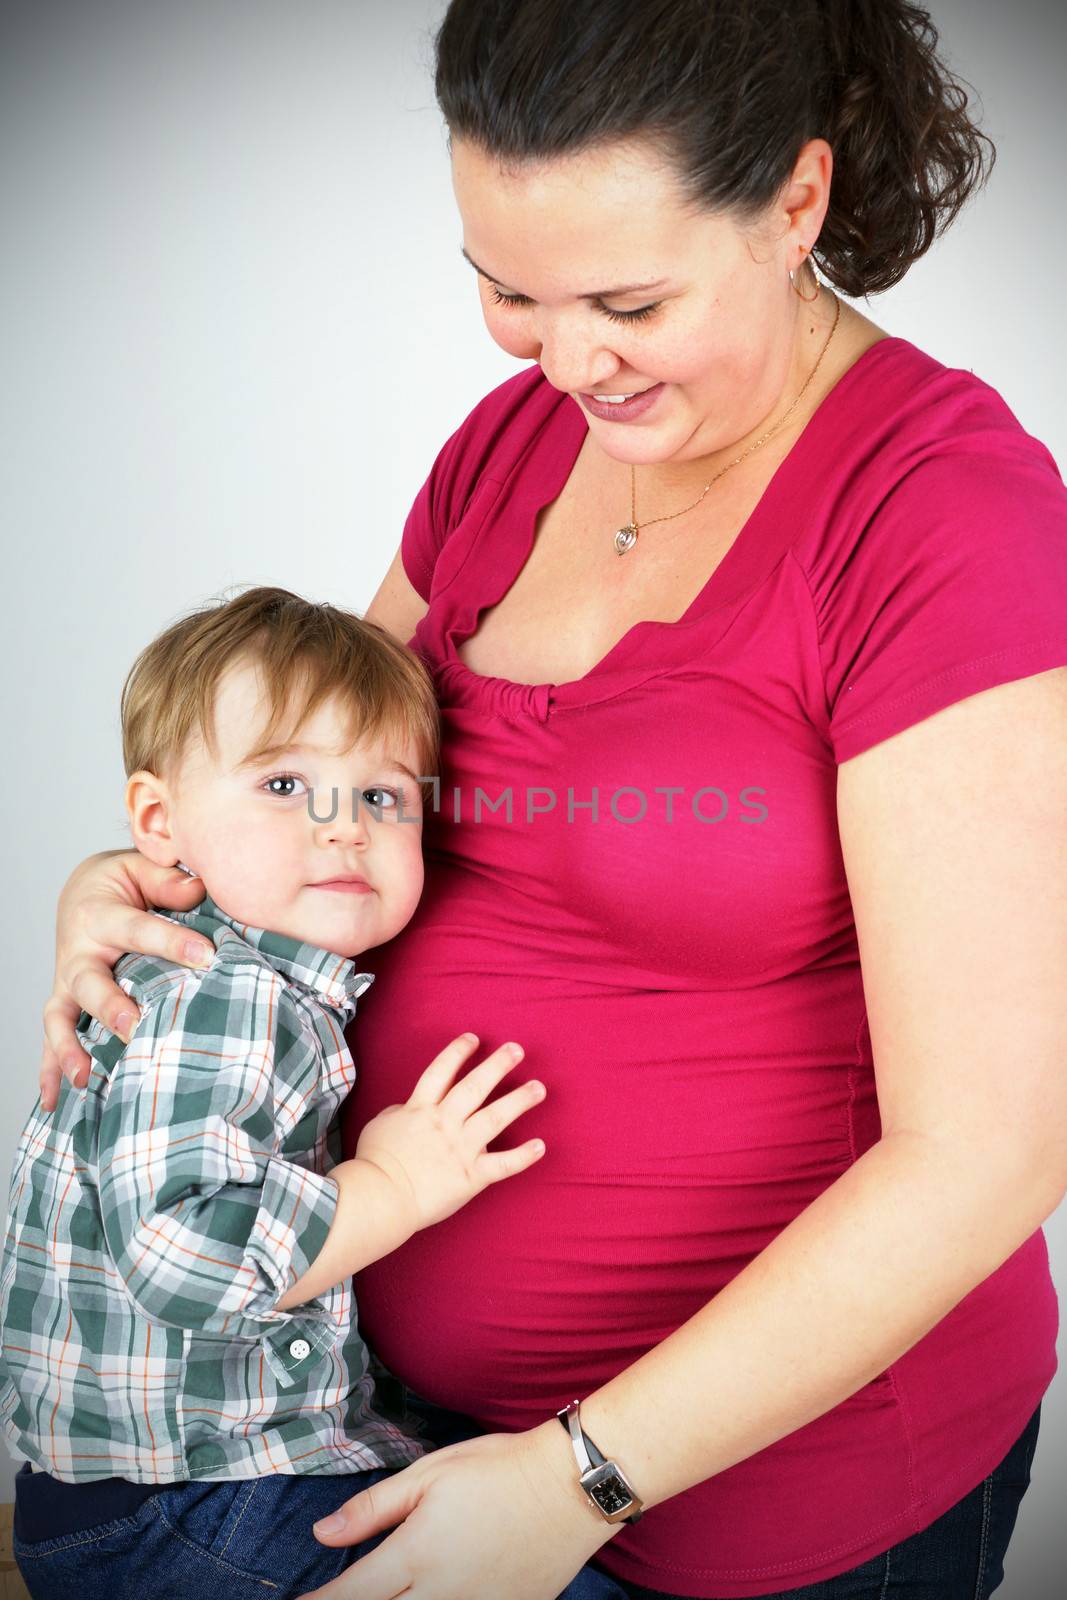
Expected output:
{"points": [[603, 1481]]}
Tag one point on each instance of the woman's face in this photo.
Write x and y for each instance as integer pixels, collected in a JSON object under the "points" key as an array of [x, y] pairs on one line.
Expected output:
{"points": [[708, 311]]}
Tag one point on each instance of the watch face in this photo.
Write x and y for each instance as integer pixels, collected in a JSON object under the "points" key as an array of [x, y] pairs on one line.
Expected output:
{"points": [[611, 1494]]}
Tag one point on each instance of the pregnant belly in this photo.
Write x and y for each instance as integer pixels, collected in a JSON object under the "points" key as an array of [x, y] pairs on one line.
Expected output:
{"points": [[683, 1131]]}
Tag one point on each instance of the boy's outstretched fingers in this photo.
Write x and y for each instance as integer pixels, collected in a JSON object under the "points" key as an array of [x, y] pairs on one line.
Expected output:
{"points": [[498, 1164], [473, 1090], [439, 1075]]}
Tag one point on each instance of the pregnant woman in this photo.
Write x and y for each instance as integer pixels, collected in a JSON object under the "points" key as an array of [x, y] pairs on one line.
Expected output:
{"points": [[749, 625]]}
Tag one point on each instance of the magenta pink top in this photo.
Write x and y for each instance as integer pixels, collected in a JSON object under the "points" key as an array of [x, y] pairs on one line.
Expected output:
{"points": [[681, 962]]}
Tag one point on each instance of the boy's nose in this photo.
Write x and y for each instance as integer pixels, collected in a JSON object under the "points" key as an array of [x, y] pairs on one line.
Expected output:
{"points": [[341, 819]]}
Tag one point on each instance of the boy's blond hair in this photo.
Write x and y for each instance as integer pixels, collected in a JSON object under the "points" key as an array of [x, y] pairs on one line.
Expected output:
{"points": [[305, 653]]}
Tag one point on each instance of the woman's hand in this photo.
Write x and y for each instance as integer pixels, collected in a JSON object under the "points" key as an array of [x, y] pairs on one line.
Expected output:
{"points": [[102, 914], [498, 1515]]}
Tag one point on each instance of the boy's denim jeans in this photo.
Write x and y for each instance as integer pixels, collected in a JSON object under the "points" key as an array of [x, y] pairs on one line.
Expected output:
{"points": [[250, 1537], [229, 1540]]}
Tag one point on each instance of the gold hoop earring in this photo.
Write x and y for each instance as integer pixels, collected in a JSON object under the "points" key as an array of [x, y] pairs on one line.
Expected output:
{"points": [[807, 298]]}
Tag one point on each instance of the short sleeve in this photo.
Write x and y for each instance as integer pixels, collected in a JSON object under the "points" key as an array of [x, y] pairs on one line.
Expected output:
{"points": [[956, 582], [484, 446], [432, 517]]}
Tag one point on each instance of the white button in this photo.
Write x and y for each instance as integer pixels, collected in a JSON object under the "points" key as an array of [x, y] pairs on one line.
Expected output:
{"points": [[299, 1349]]}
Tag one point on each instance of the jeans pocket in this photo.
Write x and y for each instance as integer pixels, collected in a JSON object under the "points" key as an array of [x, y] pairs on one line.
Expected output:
{"points": [[89, 1563], [111, 1535], [204, 1517]]}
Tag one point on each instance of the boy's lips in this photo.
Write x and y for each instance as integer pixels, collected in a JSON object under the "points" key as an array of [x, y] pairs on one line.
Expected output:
{"points": [[351, 883]]}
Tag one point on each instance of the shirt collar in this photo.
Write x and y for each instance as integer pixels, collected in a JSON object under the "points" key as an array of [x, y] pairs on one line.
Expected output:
{"points": [[332, 977]]}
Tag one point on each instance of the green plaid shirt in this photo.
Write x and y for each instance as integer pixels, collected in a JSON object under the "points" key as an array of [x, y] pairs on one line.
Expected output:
{"points": [[159, 1215]]}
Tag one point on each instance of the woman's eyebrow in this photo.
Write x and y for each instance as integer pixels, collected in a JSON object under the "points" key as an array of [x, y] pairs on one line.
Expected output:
{"points": [[592, 294]]}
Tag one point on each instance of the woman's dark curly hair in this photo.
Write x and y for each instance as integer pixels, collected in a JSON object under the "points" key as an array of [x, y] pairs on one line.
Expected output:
{"points": [[729, 91]]}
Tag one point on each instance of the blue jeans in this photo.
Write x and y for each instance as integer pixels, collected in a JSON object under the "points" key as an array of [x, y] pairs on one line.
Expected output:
{"points": [[237, 1538], [227, 1540]]}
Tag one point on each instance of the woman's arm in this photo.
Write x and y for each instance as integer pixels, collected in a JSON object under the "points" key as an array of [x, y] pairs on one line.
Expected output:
{"points": [[956, 857], [396, 604]]}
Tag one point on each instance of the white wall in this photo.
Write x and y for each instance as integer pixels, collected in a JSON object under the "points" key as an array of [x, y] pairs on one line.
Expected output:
{"points": [[234, 330]]}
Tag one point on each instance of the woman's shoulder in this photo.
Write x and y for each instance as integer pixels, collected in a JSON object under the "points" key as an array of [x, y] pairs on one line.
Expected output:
{"points": [[934, 546], [909, 400], [909, 440]]}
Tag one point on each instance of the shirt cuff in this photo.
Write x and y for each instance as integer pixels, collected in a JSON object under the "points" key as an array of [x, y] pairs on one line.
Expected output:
{"points": [[296, 1210]]}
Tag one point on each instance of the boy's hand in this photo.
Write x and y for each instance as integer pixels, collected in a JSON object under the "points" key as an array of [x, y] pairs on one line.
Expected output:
{"points": [[433, 1148], [417, 1163]]}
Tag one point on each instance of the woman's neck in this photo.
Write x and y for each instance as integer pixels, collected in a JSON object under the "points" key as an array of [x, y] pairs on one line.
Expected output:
{"points": [[664, 482]]}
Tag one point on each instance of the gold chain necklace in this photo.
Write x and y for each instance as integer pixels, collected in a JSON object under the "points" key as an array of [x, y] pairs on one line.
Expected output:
{"points": [[626, 537]]}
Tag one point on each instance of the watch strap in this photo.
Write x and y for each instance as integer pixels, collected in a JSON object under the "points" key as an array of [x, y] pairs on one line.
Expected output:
{"points": [[582, 1441]]}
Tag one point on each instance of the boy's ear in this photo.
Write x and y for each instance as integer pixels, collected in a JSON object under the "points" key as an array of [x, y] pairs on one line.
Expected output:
{"points": [[148, 805]]}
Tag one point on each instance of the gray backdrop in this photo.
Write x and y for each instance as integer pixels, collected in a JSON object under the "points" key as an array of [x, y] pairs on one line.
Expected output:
{"points": [[235, 329]]}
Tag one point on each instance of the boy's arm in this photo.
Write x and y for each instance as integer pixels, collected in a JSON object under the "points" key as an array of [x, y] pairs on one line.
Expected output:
{"points": [[207, 1224], [366, 1226]]}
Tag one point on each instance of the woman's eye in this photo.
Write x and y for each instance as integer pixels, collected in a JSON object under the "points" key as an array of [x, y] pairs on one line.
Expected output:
{"points": [[283, 778], [502, 299], [381, 799]]}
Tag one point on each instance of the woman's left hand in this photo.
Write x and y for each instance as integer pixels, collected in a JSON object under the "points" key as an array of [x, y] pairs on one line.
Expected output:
{"points": [[501, 1514]]}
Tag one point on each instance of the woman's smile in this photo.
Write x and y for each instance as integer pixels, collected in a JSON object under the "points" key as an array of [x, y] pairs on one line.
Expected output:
{"points": [[627, 410]]}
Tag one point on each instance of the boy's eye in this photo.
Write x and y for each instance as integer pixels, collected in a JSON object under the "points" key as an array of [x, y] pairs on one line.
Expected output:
{"points": [[502, 299], [381, 799], [282, 778]]}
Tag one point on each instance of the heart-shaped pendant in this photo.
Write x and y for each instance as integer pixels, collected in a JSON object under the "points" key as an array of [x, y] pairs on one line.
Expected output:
{"points": [[625, 539]]}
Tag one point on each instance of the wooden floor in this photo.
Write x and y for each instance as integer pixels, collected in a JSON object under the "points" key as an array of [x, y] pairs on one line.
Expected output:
{"points": [[11, 1585]]}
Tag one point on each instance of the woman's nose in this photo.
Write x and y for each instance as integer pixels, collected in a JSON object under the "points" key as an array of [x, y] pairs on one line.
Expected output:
{"points": [[575, 363]]}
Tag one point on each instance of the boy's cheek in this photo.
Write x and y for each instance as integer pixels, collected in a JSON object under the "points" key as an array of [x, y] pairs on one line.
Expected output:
{"points": [[230, 854]]}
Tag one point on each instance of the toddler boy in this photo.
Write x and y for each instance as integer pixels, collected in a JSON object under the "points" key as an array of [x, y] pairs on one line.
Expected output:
{"points": [[180, 1364]]}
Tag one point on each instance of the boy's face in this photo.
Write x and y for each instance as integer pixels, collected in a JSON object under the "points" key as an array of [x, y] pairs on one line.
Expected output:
{"points": [[250, 834]]}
